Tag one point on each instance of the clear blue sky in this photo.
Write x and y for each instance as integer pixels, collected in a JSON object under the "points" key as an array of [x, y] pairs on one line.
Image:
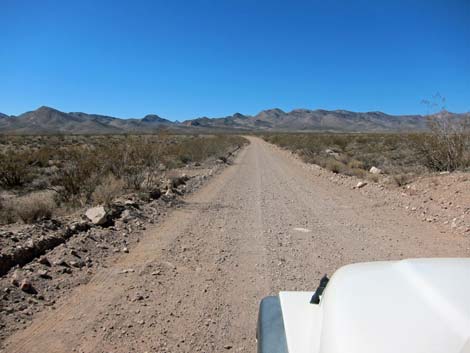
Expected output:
{"points": [[184, 59]]}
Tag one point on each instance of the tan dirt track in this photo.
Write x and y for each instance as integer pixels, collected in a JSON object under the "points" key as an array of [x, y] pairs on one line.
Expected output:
{"points": [[194, 282]]}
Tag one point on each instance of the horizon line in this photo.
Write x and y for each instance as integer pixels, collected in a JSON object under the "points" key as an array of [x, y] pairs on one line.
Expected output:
{"points": [[229, 115]]}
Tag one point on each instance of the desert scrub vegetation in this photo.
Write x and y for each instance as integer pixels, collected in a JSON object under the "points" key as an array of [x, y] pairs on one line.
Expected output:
{"points": [[13, 169], [447, 146], [349, 153], [402, 156], [86, 170]]}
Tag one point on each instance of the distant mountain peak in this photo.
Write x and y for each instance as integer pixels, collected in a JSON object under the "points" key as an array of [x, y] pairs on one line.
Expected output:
{"points": [[342, 111], [300, 111], [45, 108], [240, 116], [274, 113], [152, 118]]}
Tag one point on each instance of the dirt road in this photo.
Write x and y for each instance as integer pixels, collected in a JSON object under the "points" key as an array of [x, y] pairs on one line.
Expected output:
{"points": [[194, 282]]}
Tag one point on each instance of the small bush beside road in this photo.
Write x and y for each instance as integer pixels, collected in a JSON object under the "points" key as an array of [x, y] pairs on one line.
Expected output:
{"points": [[447, 146]]}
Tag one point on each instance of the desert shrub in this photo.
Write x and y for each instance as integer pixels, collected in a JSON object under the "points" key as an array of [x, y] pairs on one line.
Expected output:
{"points": [[358, 172], [373, 177], [316, 159], [340, 141], [14, 170], [335, 166], [42, 156], [79, 168], [309, 156], [7, 214], [33, 207], [343, 158], [199, 148], [398, 153], [140, 161], [355, 164], [133, 177], [78, 176], [185, 158], [109, 189], [402, 179], [446, 147]]}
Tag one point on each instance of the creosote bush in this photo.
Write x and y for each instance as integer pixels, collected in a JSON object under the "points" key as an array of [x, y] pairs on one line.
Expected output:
{"points": [[14, 170], [78, 176], [82, 170], [445, 147]]}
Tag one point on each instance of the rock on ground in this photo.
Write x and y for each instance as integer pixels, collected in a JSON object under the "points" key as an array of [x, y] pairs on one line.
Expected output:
{"points": [[97, 215], [375, 170]]}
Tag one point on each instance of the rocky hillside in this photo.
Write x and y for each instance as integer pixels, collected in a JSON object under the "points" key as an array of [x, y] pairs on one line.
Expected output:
{"points": [[47, 120], [315, 120]]}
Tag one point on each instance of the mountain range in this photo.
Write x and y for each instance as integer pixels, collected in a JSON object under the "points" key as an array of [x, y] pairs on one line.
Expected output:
{"points": [[46, 120]]}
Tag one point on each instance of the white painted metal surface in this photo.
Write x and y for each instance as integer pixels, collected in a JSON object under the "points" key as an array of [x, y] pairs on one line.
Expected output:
{"points": [[409, 306], [301, 321]]}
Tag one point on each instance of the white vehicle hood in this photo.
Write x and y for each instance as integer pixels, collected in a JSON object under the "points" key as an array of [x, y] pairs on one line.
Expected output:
{"points": [[415, 306]]}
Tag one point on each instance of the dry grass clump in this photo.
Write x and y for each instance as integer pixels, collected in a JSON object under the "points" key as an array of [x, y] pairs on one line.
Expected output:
{"points": [[402, 179], [355, 164], [335, 166], [109, 189], [29, 208], [7, 214]]}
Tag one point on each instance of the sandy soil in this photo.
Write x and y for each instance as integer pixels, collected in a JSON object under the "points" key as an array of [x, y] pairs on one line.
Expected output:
{"points": [[194, 281]]}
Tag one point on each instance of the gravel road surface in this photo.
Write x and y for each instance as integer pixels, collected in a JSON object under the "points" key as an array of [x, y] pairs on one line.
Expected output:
{"points": [[194, 282]]}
